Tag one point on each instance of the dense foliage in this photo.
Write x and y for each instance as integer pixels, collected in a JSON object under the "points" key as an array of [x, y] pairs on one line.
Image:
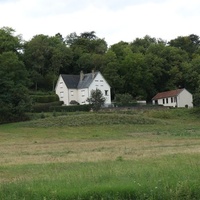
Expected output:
{"points": [[96, 99], [140, 68], [14, 98]]}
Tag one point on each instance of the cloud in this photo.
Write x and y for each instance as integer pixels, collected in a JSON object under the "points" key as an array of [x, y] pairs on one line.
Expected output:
{"points": [[114, 20]]}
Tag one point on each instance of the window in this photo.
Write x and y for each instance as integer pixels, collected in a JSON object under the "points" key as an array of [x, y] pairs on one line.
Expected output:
{"points": [[61, 84], [166, 100], [61, 94], [172, 100], [82, 93], [96, 81], [163, 101], [106, 92], [101, 80], [72, 93]]}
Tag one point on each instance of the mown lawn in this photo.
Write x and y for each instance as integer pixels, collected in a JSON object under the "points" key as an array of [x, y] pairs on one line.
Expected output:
{"points": [[125, 155]]}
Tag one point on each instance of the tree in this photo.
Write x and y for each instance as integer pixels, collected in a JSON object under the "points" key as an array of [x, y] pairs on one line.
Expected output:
{"points": [[9, 42], [96, 99], [87, 50], [46, 56], [14, 97], [190, 44]]}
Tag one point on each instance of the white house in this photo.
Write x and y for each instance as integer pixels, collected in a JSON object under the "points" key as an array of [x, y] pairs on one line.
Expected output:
{"points": [[174, 98], [77, 88]]}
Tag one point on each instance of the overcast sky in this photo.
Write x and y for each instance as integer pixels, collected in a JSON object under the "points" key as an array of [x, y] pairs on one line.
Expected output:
{"points": [[114, 20]]}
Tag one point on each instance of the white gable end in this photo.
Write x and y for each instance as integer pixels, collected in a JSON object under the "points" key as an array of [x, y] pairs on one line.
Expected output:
{"points": [[100, 83], [62, 91], [184, 99]]}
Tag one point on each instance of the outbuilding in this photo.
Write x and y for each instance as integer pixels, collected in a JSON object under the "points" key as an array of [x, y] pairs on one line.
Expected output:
{"points": [[174, 98]]}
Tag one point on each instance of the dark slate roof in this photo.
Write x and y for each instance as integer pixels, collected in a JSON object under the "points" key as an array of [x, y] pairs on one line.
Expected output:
{"points": [[167, 94], [87, 80], [71, 81]]}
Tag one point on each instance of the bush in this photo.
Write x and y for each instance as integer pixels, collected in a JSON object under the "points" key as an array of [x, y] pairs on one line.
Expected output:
{"points": [[123, 98]]}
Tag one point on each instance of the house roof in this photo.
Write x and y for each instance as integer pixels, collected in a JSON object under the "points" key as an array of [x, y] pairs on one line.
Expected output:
{"points": [[171, 93], [71, 81], [87, 80], [74, 82]]}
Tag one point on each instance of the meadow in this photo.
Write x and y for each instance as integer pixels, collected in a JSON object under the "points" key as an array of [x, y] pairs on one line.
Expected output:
{"points": [[141, 154]]}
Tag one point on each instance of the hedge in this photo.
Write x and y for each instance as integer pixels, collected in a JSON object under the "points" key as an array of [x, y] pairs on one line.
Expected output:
{"points": [[45, 98], [134, 104], [73, 108], [45, 107]]}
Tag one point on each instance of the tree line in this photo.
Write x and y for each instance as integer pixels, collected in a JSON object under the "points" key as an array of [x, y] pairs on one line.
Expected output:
{"points": [[140, 68]]}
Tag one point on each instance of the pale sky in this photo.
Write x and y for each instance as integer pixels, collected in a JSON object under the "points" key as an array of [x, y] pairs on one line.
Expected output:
{"points": [[114, 20]]}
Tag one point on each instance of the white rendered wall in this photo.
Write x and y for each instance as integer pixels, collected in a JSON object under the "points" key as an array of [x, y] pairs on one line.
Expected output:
{"points": [[100, 83], [185, 99], [62, 91], [83, 94]]}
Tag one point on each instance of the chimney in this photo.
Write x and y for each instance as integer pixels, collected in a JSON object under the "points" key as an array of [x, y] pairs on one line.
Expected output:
{"points": [[93, 74], [81, 75]]}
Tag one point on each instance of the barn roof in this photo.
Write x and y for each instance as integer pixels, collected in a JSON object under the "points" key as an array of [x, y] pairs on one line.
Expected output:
{"points": [[167, 94]]}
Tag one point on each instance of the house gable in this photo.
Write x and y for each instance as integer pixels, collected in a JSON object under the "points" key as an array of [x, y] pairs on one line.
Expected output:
{"points": [[100, 83], [62, 90]]}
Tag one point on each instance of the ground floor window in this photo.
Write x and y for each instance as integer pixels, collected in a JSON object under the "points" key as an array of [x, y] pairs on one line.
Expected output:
{"points": [[106, 92]]}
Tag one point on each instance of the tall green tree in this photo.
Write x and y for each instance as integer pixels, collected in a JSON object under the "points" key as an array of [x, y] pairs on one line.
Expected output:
{"points": [[190, 44], [112, 73], [88, 51], [9, 41], [14, 95], [44, 58]]}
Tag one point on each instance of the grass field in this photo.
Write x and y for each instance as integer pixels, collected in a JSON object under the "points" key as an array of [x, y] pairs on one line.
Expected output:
{"points": [[126, 155]]}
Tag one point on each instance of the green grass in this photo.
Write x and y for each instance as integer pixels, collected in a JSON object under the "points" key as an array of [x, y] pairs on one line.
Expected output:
{"points": [[147, 154], [169, 177]]}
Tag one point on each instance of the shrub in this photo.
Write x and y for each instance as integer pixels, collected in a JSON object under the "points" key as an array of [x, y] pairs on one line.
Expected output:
{"points": [[96, 99], [124, 100]]}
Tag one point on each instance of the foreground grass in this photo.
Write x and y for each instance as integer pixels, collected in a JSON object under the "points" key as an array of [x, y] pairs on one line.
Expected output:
{"points": [[169, 177], [127, 155]]}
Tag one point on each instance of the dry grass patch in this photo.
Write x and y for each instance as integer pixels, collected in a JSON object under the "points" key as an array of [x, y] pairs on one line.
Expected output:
{"points": [[96, 150]]}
